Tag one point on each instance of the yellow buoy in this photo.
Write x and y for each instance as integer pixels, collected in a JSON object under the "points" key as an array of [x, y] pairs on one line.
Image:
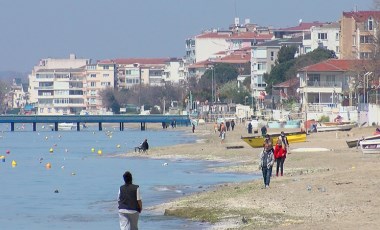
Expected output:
{"points": [[14, 163], [51, 150], [93, 150], [48, 165], [99, 152]]}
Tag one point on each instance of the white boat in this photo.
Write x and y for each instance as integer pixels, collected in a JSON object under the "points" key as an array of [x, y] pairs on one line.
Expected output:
{"points": [[370, 146], [64, 126], [342, 127]]}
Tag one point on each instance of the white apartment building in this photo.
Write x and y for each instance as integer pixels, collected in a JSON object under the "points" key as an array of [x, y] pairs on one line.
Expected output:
{"points": [[99, 76], [210, 43], [326, 36], [174, 71], [56, 86]]}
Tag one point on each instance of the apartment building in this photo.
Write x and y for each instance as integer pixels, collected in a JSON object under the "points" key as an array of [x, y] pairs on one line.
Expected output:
{"points": [[174, 71], [325, 36], [99, 76], [56, 86], [358, 29]]}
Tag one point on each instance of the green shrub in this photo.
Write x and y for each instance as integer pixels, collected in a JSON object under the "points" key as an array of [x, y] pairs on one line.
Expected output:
{"points": [[324, 118]]}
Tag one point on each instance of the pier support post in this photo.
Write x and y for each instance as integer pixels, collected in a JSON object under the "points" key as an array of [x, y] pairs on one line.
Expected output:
{"points": [[55, 126], [78, 126], [121, 126], [34, 126], [12, 126], [143, 126], [100, 126]]}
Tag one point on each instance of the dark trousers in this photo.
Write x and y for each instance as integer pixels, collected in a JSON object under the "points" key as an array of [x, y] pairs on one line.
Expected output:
{"points": [[267, 173], [280, 164]]}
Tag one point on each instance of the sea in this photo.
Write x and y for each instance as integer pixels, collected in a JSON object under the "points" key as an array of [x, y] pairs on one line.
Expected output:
{"points": [[70, 180]]}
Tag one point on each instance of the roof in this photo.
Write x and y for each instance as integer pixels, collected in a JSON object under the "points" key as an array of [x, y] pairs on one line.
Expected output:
{"points": [[235, 58], [289, 83], [361, 16], [62, 70], [250, 36], [214, 35], [331, 65], [301, 27], [143, 61]]}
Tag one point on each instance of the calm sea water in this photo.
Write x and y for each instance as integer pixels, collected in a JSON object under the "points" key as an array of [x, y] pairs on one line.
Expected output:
{"points": [[87, 183]]}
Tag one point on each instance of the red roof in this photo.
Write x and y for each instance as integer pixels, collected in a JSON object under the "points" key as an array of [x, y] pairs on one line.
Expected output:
{"points": [[214, 35], [289, 83], [143, 61], [361, 16], [107, 61], [332, 65], [302, 26]]}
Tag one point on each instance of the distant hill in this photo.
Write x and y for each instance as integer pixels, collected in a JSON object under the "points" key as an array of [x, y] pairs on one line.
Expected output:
{"points": [[9, 75]]}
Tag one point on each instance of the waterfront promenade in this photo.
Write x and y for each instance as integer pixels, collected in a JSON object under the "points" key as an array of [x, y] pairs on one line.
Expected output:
{"points": [[100, 119]]}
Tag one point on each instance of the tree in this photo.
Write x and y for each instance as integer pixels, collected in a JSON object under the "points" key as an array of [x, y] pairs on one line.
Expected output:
{"points": [[231, 91]]}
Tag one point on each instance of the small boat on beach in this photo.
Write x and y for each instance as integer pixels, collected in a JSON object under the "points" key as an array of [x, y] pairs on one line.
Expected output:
{"points": [[337, 127], [258, 141], [370, 146], [356, 142]]}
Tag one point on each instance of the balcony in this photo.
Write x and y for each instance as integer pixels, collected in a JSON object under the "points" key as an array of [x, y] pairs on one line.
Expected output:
{"points": [[324, 84]]}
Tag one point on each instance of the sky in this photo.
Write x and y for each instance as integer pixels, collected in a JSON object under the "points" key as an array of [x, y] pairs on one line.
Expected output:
{"points": [[106, 29]]}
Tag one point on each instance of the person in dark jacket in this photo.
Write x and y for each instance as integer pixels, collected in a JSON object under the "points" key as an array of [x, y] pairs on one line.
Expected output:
{"points": [[266, 163], [130, 204]]}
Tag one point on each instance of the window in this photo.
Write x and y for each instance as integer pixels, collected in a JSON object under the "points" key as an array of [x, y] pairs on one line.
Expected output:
{"points": [[353, 40], [366, 39], [93, 84], [93, 75], [365, 55], [337, 36], [128, 72], [105, 83], [370, 23], [261, 66], [271, 55], [337, 49], [106, 75], [106, 67], [322, 36], [260, 81]]}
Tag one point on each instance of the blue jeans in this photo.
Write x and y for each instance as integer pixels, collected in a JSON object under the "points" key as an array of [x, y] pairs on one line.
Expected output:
{"points": [[267, 173]]}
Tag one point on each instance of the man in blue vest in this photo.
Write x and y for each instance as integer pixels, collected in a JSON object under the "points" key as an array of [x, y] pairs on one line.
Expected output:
{"points": [[130, 204]]}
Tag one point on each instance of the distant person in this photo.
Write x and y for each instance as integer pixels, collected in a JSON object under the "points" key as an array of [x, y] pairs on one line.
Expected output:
{"points": [[222, 133], [279, 156], [266, 164], [144, 146], [267, 140], [284, 140], [215, 127], [264, 130], [232, 125], [249, 128], [228, 125], [130, 204], [193, 129]]}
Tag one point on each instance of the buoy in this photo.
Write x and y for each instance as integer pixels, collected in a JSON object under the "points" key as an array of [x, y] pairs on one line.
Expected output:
{"points": [[99, 152], [73, 174], [8, 152], [46, 138], [48, 166], [118, 146], [66, 150], [93, 150], [62, 167], [14, 163], [51, 150], [2, 158], [56, 191]]}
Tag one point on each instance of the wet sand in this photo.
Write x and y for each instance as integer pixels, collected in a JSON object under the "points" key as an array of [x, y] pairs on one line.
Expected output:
{"points": [[335, 189]]}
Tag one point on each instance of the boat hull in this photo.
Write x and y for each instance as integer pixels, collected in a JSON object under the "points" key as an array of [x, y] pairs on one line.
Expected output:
{"points": [[370, 146], [345, 127], [356, 143], [258, 141]]}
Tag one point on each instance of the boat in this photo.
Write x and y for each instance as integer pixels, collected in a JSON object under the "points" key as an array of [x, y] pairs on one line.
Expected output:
{"points": [[337, 127], [356, 142], [370, 146], [258, 141], [64, 126]]}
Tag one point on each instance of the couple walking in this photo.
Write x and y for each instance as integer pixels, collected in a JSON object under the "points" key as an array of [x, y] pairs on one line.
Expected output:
{"points": [[269, 155]]}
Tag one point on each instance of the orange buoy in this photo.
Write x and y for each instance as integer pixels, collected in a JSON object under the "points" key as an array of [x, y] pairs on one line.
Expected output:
{"points": [[48, 165]]}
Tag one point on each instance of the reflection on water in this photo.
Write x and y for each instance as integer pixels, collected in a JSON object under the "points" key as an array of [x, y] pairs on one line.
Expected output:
{"points": [[79, 191]]}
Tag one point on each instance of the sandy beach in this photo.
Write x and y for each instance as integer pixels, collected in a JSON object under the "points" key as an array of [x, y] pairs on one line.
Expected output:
{"points": [[335, 189]]}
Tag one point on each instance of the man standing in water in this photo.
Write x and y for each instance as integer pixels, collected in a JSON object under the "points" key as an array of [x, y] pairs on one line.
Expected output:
{"points": [[130, 204]]}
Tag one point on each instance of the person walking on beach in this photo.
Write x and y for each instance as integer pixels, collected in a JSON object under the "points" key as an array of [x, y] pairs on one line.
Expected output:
{"points": [[266, 164], [222, 133], [228, 125], [264, 130], [193, 129], [232, 125], [279, 156], [130, 204]]}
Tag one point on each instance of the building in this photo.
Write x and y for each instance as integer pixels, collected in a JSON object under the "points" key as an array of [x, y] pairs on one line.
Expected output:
{"points": [[18, 94], [358, 30], [300, 30], [325, 36], [99, 76], [56, 86]]}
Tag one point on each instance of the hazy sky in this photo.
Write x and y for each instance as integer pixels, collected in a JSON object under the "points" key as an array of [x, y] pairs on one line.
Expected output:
{"points": [[103, 29]]}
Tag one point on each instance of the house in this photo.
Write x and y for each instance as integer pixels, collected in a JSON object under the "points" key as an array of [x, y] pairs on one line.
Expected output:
{"points": [[358, 30], [327, 85]]}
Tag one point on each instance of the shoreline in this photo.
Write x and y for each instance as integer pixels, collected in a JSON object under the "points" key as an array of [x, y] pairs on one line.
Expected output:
{"points": [[326, 190]]}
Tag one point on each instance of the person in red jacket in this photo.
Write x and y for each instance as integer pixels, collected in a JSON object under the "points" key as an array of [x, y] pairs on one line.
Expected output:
{"points": [[279, 156]]}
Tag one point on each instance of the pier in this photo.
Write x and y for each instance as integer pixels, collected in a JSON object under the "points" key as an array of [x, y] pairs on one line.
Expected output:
{"points": [[100, 119]]}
